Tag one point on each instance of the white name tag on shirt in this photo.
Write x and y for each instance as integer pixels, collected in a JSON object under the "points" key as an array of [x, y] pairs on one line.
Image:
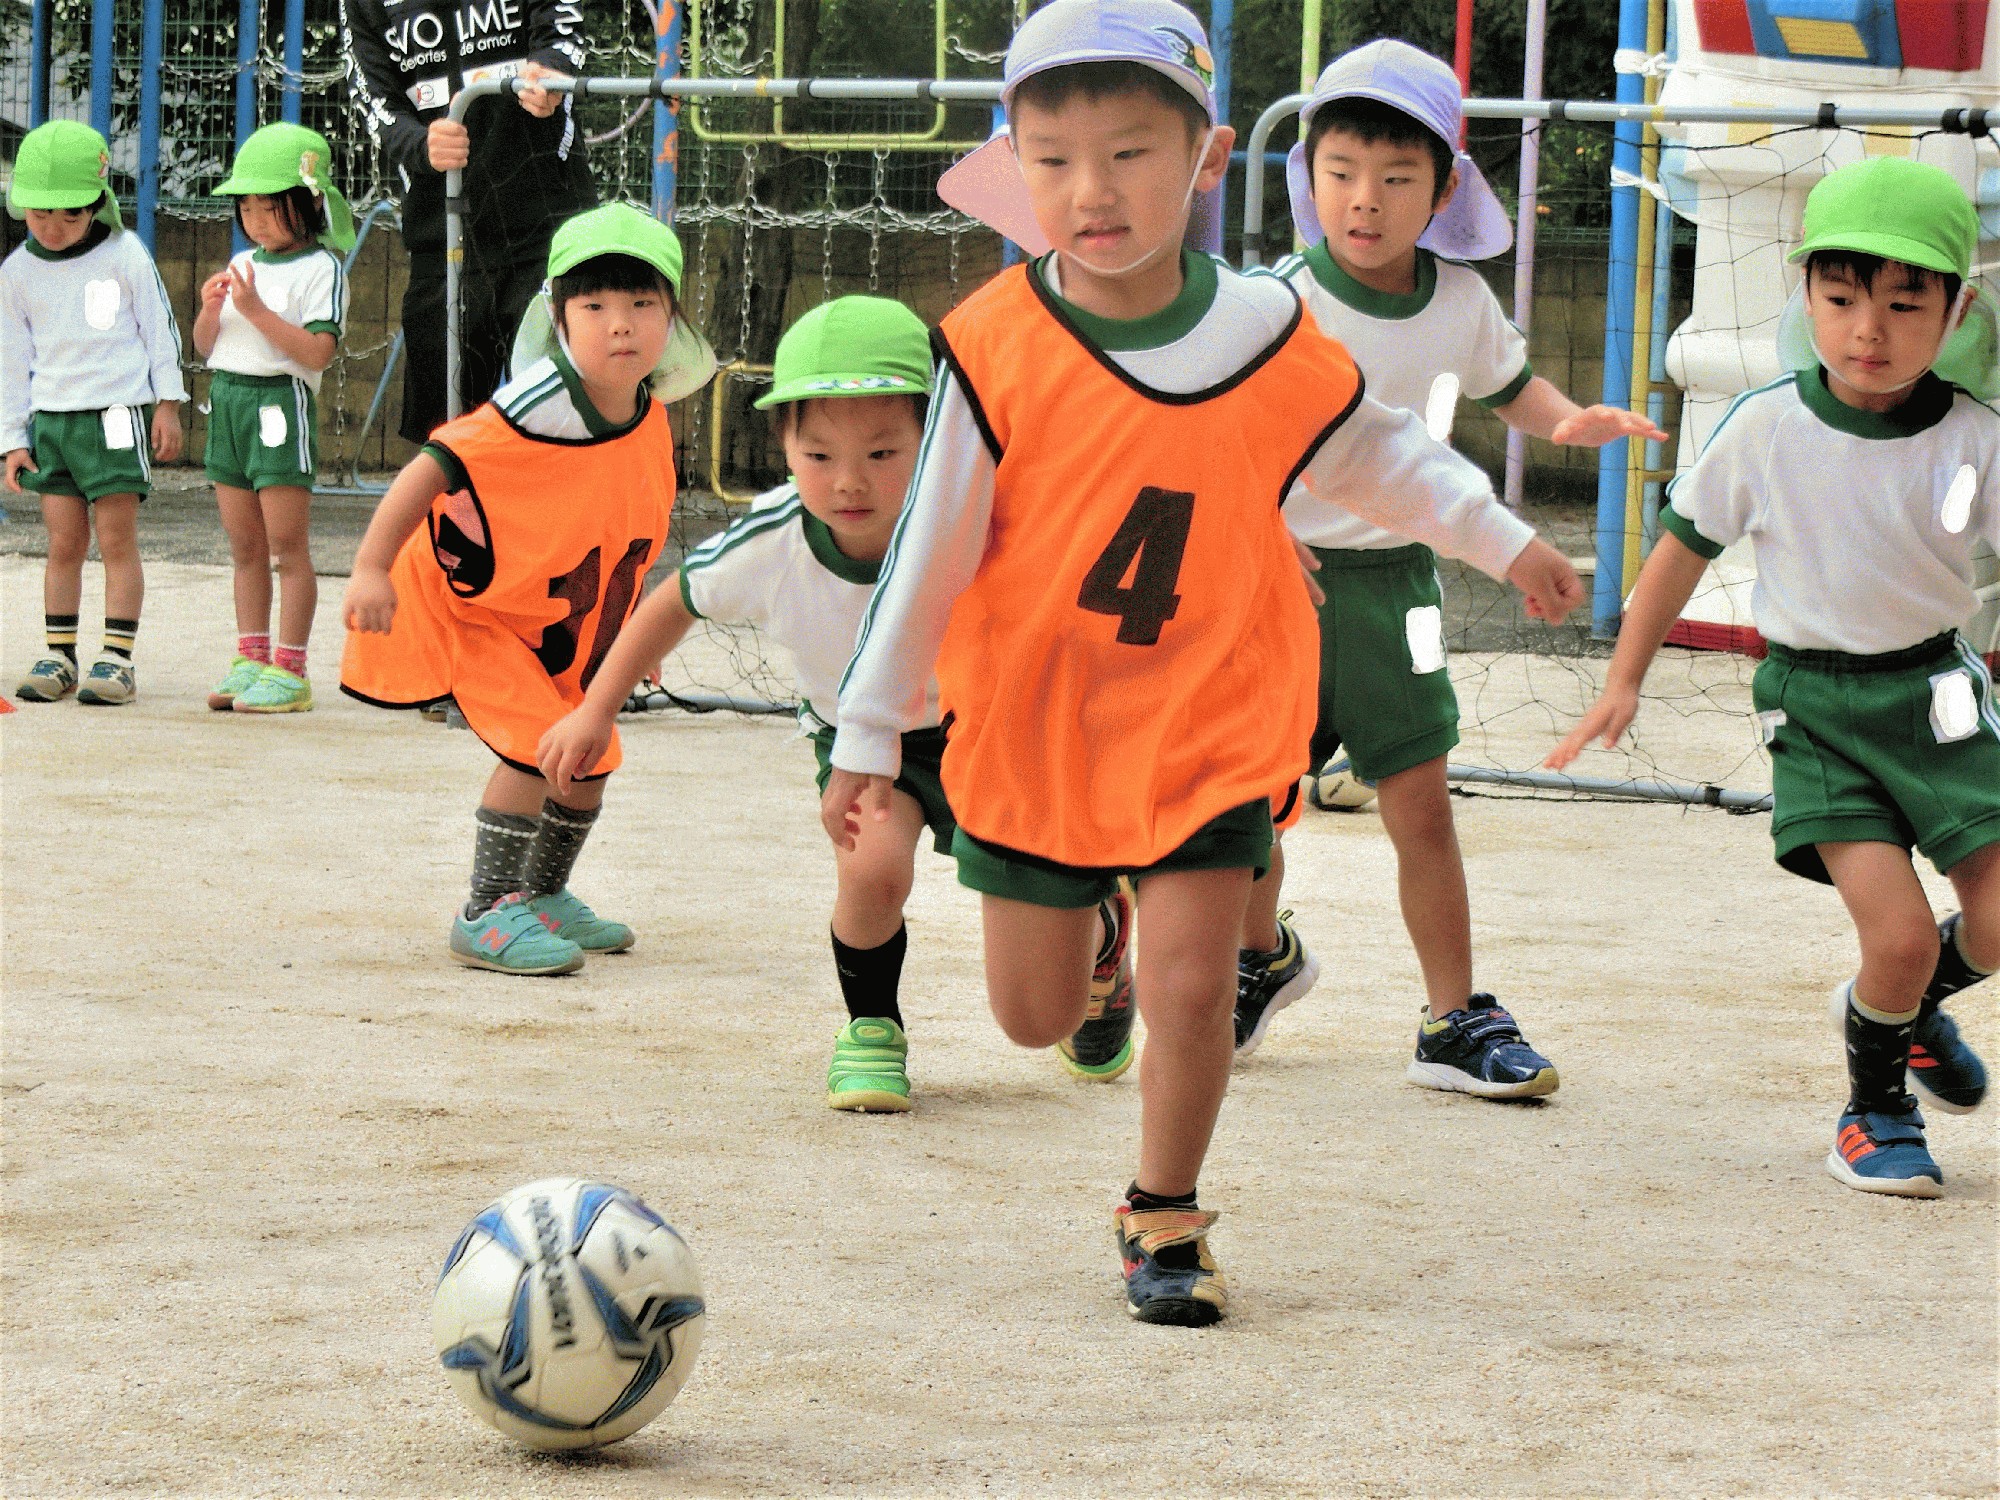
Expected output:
{"points": [[1441, 407], [271, 426], [1423, 628], [1954, 706], [100, 304], [1956, 512], [120, 428]]}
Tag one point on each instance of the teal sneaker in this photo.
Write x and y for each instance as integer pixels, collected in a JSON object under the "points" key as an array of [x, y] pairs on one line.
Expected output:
{"points": [[235, 682], [275, 691], [869, 1072], [511, 939], [569, 918]]}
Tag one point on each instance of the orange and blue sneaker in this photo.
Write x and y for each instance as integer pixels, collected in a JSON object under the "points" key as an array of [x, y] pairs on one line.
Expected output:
{"points": [[1885, 1152], [1480, 1050], [511, 938], [1268, 982], [1942, 1067], [1101, 1048], [567, 917], [1170, 1277]]}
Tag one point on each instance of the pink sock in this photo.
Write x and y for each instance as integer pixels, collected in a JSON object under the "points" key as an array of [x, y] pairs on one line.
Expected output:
{"points": [[292, 659], [256, 647]]}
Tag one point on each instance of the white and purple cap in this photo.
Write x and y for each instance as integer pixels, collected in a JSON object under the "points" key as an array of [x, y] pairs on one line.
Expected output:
{"points": [[1473, 226], [1157, 34]]}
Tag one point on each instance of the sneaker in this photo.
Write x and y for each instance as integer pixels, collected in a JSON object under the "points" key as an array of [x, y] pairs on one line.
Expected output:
{"points": [[868, 1073], [1942, 1067], [49, 679], [569, 918], [1267, 982], [1885, 1153], [110, 681], [1169, 1275], [236, 681], [1479, 1050], [1101, 1048], [511, 939], [275, 691]]}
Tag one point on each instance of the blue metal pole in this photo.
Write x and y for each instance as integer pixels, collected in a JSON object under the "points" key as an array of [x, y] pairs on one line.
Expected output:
{"points": [[1608, 593], [38, 62], [295, 59], [102, 17], [249, 29], [151, 50], [667, 112]]}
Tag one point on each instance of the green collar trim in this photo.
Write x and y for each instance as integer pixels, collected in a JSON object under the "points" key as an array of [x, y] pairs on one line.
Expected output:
{"points": [[1365, 299], [819, 537], [96, 235], [265, 257], [1169, 325], [593, 420], [1928, 402]]}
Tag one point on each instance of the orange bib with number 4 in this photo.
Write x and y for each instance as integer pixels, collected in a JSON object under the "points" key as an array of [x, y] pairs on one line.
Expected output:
{"points": [[1137, 654], [510, 598]]}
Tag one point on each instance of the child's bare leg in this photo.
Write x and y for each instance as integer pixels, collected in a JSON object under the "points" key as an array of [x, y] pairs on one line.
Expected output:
{"points": [[1186, 985], [1976, 879], [1038, 961], [117, 518], [1430, 879], [1260, 917], [1893, 919], [286, 511], [68, 521], [522, 793], [875, 876], [249, 556]]}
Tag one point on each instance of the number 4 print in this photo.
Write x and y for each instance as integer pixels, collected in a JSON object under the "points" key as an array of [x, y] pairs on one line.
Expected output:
{"points": [[1148, 545]]}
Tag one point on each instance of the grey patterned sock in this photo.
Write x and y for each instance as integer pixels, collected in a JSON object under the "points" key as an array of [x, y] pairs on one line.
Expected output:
{"points": [[500, 848], [558, 841]]}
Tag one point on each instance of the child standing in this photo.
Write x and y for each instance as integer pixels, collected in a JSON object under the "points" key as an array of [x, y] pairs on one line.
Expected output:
{"points": [[1382, 197], [269, 324], [90, 381], [1094, 558], [1865, 480], [542, 511], [849, 385]]}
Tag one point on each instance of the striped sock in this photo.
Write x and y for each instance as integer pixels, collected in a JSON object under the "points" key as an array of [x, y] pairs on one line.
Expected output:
{"points": [[118, 637], [61, 635], [255, 647], [292, 659]]}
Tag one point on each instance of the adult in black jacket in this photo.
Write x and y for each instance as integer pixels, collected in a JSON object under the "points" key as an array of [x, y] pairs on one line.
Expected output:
{"points": [[523, 158]]}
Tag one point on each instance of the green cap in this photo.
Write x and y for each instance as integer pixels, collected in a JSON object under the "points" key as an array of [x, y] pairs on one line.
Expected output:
{"points": [[63, 164], [616, 229], [852, 346], [277, 158], [1895, 208]]}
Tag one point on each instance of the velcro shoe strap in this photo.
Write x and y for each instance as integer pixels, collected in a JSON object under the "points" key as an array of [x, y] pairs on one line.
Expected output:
{"points": [[1894, 1130], [1154, 1229], [1488, 1025]]}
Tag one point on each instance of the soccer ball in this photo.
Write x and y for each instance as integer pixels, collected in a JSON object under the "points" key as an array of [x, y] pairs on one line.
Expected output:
{"points": [[568, 1314], [1337, 789]]}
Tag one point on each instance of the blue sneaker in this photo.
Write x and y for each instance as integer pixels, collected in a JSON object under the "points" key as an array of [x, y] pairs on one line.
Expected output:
{"points": [[1268, 982], [1942, 1067], [1169, 1275], [1885, 1153], [511, 938], [1479, 1050]]}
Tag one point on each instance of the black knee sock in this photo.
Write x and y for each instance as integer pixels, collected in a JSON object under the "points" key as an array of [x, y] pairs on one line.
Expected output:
{"points": [[119, 636], [871, 977], [1878, 1053], [558, 841], [500, 845], [1954, 971], [61, 635]]}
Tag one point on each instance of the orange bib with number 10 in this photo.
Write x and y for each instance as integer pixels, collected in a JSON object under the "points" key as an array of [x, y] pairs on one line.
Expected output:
{"points": [[1137, 653]]}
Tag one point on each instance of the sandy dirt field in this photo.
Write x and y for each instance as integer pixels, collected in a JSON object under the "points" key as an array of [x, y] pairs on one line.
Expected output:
{"points": [[248, 1103]]}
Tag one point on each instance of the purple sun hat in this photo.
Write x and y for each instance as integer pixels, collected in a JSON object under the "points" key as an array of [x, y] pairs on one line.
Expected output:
{"points": [[1473, 226]]}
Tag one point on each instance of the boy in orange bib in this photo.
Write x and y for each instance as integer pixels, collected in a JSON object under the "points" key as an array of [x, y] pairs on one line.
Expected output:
{"points": [[543, 509], [1093, 557]]}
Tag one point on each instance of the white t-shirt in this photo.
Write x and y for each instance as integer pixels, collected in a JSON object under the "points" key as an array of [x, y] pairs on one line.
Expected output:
{"points": [[1406, 345], [306, 287], [1863, 526], [779, 569]]}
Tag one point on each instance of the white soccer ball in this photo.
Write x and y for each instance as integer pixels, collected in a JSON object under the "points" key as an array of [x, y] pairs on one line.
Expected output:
{"points": [[1338, 789], [568, 1314]]}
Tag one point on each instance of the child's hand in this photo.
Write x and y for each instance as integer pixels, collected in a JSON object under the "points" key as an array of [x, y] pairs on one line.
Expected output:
{"points": [[1546, 577], [369, 605], [575, 742], [166, 432], [538, 102], [214, 290], [1309, 565], [1610, 716], [243, 293], [850, 797], [449, 146], [17, 460], [1595, 426]]}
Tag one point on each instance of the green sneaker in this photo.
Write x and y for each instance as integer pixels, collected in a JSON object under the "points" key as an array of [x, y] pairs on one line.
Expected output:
{"points": [[235, 682], [569, 918], [867, 1072], [49, 679], [275, 691], [511, 939]]}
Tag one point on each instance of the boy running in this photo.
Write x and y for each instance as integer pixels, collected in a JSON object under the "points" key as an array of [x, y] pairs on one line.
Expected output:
{"points": [[1093, 557], [1865, 477]]}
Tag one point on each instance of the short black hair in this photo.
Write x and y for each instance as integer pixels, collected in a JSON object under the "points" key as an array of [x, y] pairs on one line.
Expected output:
{"points": [[788, 414], [1862, 268], [1370, 121], [304, 215], [1052, 89], [607, 273]]}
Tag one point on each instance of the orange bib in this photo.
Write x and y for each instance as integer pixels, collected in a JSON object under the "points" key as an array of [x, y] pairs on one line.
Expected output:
{"points": [[513, 594], [1137, 653]]}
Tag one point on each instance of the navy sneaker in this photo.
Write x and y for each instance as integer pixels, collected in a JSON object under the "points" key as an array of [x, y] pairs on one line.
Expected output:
{"points": [[1479, 1050], [1947, 1071], [1101, 1048], [1267, 982], [1169, 1275], [1885, 1153]]}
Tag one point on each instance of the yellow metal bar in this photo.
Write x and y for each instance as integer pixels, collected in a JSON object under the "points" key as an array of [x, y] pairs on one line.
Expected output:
{"points": [[1642, 310], [717, 389]]}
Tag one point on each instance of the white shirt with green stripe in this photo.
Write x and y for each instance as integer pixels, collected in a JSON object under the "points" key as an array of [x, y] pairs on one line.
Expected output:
{"points": [[778, 569], [1864, 523], [1451, 325], [307, 287]]}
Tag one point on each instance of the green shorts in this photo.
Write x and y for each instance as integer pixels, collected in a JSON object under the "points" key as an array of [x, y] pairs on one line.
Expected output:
{"points": [[1901, 748], [1239, 839], [1384, 692], [263, 431], [922, 750], [92, 454]]}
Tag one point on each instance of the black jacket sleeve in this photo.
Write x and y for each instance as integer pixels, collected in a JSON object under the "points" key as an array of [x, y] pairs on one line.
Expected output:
{"points": [[392, 116]]}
